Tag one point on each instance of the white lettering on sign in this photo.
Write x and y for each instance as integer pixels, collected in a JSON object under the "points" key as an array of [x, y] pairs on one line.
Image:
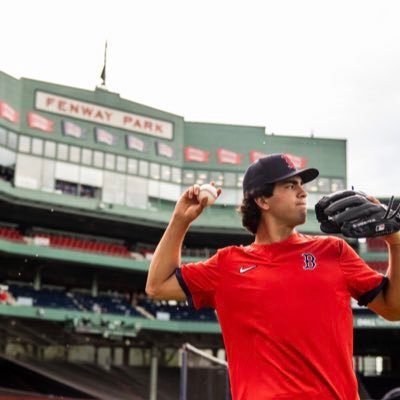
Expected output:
{"points": [[108, 116]]}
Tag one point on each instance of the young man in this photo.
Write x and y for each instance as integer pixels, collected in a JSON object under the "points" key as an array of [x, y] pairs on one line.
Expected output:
{"points": [[283, 302]]}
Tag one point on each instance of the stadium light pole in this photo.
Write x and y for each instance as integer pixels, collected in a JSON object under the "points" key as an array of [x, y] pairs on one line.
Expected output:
{"points": [[153, 374], [183, 377]]}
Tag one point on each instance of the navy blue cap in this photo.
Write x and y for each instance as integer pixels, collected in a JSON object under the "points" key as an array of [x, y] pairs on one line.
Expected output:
{"points": [[274, 168]]}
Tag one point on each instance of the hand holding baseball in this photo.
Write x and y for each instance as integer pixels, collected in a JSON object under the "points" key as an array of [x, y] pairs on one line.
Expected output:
{"points": [[194, 200], [209, 192]]}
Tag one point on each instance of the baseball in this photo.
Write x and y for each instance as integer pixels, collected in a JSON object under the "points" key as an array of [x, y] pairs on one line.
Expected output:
{"points": [[208, 191]]}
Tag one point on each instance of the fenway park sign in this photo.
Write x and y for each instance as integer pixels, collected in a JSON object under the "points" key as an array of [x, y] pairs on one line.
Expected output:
{"points": [[103, 115]]}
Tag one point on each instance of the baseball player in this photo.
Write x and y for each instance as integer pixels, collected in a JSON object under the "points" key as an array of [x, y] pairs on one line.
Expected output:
{"points": [[283, 302]]}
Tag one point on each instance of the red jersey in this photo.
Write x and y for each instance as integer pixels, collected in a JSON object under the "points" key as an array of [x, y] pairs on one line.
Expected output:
{"points": [[285, 314]]}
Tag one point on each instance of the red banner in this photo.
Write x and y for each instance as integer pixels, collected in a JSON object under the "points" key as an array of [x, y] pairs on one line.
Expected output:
{"points": [[255, 155], [196, 155], [298, 162], [225, 156], [7, 112], [36, 121]]}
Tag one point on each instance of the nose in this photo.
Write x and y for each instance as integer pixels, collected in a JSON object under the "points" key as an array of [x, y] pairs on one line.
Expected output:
{"points": [[302, 193]]}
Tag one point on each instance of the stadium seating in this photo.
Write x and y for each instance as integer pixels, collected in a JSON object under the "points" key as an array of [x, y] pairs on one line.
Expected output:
{"points": [[380, 266], [67, 242], [178, 312], [81, 244], [50, 298], [374, 244], [9, 233], [59, 298], [106, 304]]}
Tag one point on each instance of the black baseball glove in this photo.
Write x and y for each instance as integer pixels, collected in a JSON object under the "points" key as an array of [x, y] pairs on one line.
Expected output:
{"points": [[351, 213]]}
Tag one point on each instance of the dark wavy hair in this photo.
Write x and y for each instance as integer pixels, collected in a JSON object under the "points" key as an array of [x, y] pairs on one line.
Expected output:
{"points": [[249, 209]]}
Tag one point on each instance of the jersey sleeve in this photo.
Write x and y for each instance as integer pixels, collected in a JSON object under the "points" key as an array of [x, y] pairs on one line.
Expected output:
{"points": [[199, 281], [363, 282]]}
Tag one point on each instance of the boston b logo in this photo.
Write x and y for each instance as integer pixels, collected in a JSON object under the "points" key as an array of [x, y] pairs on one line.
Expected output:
{"points": [[309, 261]]}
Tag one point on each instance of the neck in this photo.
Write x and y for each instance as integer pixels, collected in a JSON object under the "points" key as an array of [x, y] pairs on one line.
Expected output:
{"points": [[271, 232]]}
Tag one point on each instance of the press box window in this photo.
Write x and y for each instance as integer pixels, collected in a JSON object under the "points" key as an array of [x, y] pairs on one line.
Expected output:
{"points": [[12, 140], [218, 178], [188, 177], [143, 168], [337, 184], [229, 179], [176, 175], [110, 161], [239, 181], [49, 149], [132, 166], [3, 136], [121, 163], [62, 151], [86, 156], [311, 186], [202, 177], [74, 154], [165, 173], [37, 146], [24, 144], [323, 185], [98, 159], [154, 171]]}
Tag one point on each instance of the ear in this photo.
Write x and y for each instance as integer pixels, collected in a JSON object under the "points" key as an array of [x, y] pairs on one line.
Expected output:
{"points": [[262, 202]]}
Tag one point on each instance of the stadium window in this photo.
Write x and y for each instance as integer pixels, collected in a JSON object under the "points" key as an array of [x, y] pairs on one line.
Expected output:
{"points": [[110, 161], [154, 171], [3, 136], [176, 175], [62, 151], [188, 177], [98, 159], [239, 180], [165, 172], [143, 168], [217, 177], [74, 154], [132, 166], [337, 184], [121, 163], [311, 186], [229, 179], [37, 146], [201, 177], [67, 187], [312, 199], [86, 156], [12, 140], [323, 185], [89, 191], [228, 197], [49, 149], [24, 144]]}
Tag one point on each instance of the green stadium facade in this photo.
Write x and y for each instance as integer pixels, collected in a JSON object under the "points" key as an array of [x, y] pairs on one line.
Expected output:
{"points": [[88, 184]]}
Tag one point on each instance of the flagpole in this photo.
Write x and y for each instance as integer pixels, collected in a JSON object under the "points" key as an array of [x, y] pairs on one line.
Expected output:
{"points": [[103, 72]]}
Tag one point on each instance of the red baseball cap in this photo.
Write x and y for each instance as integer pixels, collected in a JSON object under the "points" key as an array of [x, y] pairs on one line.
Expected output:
{"points": [[274, 168]]}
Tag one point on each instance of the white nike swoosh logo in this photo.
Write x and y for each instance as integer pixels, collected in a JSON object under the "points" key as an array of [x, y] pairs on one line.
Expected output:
{"points": [[245, 269]]}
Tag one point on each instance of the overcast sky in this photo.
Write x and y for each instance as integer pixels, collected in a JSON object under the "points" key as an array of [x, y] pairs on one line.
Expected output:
{"points": [[331, 68]]}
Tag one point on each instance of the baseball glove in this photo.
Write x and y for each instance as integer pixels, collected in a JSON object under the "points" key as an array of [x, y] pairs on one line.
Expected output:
{"points": [[351, 213]]}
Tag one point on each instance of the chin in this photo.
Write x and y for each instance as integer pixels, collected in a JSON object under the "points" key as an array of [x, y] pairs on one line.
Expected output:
{"points": [[302, 219]]}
